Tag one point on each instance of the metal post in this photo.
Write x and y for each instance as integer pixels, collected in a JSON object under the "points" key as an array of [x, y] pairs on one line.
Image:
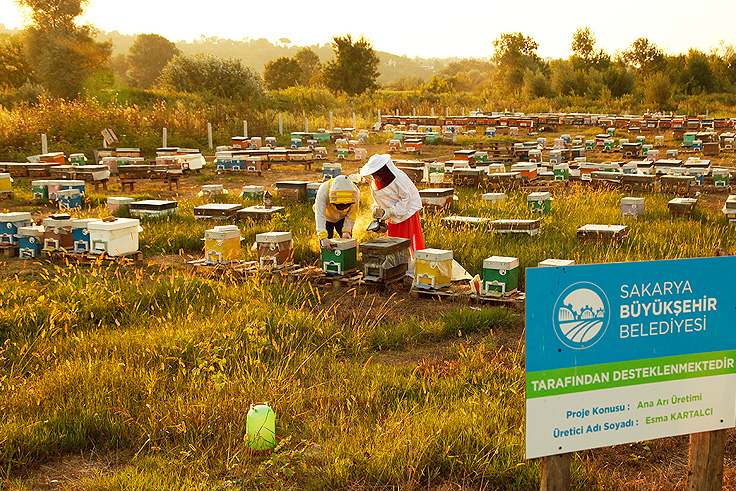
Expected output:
{"points": [[432, 111], [331, 122], [281, 125], [463, 111], [306, 125], [355, 122], [397, 112], [164, 138], [414, 111], [245, 128], [447, 111], [44, 144], [379, 115], [209, 134]]}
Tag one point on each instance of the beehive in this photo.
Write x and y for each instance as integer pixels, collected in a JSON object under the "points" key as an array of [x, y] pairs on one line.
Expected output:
{"points": [[69, 199], [114, 238], [555, 263], [721, 177], [437, 197], [540, 202], [6, 183], [331, 170], [275, 249], [80, 234], [153, 208], [118, 203], [57, 233], [30, 241], [682, 207], [493, 197], [260, 213], [292, 190], [594, 232], [252, 192], [341, 258], [500, 276], [631, 206], [433, 268], [384, 258], [9, 225], [222, 244], [216, 211]]}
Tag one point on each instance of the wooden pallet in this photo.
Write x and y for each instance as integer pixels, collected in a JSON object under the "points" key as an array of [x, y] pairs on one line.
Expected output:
{"points": [[352, 278], [87, 259], [515, 300], [447, 293], [237, 268], [395, 283]]}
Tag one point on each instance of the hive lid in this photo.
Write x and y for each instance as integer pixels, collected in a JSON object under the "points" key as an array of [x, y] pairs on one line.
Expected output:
{"points": [[434, 254], [269, 237], [500, 262], [555, 263], [153, 204], [17, 216], [384, 245], [632, 201], [344, 244], [539, 196], [117, 224]]}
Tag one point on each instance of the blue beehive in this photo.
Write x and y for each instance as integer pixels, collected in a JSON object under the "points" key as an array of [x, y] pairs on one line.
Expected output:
{"points": [[30, 241], [73, 184], [69, 199], [80, 234], [9, 225], [330, 170]]}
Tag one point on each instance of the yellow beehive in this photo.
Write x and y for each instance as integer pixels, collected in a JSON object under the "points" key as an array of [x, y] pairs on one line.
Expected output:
{"points": [[222, 244], [433, 268], [6, 185]]}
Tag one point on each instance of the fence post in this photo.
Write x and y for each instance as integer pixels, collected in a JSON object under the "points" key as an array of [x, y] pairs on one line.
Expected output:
{"points": [[413, 111], [245, 128], [705, 462], [447, 111], [397, 112], [209, 135], [164, 138], [331, 122], [44, 143], [355, 122], [556, 473], [281, 125], [306, 125], [432, 111]]}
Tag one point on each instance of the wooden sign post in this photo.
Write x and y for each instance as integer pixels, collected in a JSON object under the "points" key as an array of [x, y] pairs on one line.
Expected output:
{"points": [[556, 473]]}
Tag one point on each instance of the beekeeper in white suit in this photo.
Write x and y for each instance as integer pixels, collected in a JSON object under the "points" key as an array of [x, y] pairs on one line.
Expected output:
{"points": [[396, 200], [335, 209]]}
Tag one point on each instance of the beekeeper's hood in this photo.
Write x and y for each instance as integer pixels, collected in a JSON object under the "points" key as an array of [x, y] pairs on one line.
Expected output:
{"points": [[342, 191], [376, 162]]}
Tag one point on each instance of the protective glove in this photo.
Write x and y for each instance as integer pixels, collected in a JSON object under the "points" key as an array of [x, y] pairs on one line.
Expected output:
{"points": [[347, 234], [325, 243], [382, 213]]}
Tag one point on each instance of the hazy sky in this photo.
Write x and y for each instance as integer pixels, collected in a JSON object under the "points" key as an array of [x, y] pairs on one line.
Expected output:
{"points": [[425, 29]]}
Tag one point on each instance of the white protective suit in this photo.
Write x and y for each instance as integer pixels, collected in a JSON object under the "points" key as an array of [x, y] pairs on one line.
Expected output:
{"points": [[401, 196]]}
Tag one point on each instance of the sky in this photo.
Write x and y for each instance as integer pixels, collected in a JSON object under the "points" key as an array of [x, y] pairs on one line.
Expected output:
{"points": [[425, 29]]}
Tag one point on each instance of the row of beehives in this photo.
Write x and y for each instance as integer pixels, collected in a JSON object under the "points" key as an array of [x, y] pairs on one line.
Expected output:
{"points": [[649, 122], [111, 236], [384, 259]]}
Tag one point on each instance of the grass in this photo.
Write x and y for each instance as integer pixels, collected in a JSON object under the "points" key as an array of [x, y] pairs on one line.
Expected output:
{"points": [[370, 392]]}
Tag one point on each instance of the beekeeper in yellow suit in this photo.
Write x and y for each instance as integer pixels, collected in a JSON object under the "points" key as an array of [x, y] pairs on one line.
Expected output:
{"points": [[335, 209]]}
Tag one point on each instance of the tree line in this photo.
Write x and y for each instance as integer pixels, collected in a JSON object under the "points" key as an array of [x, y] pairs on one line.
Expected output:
{"points": [[57, 56]]}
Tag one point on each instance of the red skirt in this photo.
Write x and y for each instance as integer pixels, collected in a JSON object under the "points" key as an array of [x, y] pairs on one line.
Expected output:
{"points": [[411, 228]]}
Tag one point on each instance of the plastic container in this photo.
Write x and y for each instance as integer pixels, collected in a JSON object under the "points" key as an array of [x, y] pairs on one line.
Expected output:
{"points": [[260, 428]]}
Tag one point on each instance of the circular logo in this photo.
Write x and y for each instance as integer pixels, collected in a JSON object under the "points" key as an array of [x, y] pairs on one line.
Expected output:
{"points": [[581, 315]]}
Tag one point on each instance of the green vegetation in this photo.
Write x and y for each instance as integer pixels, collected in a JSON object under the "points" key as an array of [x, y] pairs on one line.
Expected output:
{"points": [[158, 367]]}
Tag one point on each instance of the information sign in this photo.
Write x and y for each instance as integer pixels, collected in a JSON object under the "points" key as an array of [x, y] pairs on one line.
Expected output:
{"points": [[623, 352]]}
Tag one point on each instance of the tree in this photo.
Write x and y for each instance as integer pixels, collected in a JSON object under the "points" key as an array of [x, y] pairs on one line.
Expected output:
{"points": [[282, 73], [644, 56], [209, 74], [698, 75], [619, 80], [355, 68], [62, 53], [583, 43], [148, 55], [310, 66], [15, 69], [657, 90], [514, 53]]}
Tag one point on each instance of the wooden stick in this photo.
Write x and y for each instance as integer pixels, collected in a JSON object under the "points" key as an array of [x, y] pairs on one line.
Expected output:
{"points": [[556, 473], [705, 462]]}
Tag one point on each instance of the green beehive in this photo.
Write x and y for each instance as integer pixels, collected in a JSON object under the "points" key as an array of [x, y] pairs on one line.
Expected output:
{"points": [[589, 145], [721, 178], [608, 144], [40, 190], [561, 172], [500, 276], [342, 153], [341, 258], [539, 202], [688, 139]]}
